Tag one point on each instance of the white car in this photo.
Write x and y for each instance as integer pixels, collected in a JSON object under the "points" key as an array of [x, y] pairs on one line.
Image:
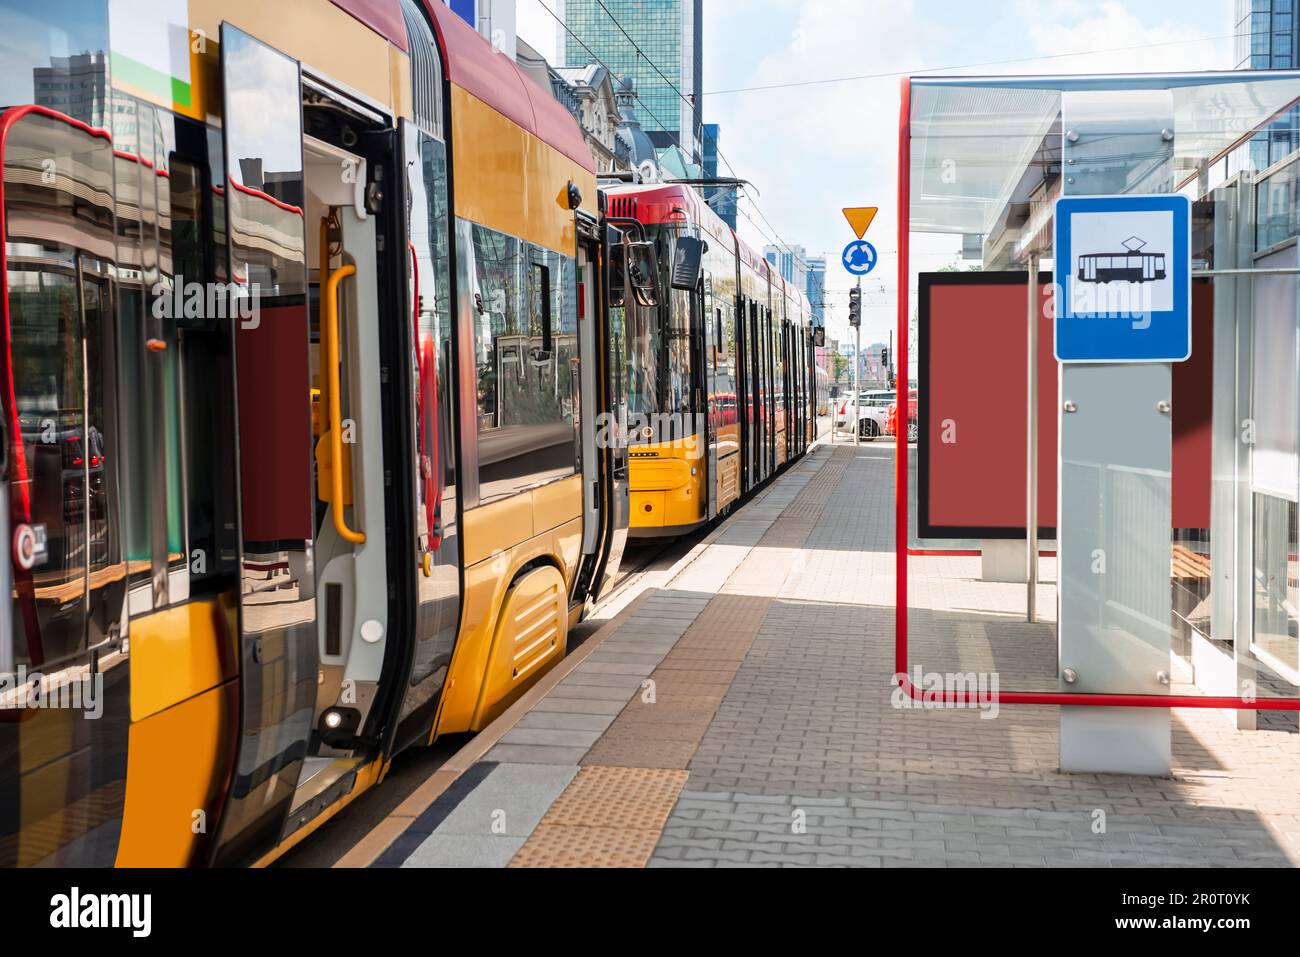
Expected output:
{"points": [[872, 407]]}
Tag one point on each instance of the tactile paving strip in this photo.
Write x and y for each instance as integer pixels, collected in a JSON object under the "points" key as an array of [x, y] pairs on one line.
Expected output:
{"points": [[808, 504], [606, 817], [689, 685], [614, 810]]}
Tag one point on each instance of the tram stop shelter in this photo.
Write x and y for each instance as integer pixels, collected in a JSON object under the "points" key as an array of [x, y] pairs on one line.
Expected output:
{"points": [[1114, 537]]}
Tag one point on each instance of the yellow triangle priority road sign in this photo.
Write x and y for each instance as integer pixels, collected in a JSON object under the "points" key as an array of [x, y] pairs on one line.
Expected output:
{"points": [[860, 218]]}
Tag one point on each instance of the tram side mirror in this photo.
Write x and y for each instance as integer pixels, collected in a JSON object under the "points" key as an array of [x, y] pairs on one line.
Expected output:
{"points": [[643, 272], [686, 263], [819, 337]]}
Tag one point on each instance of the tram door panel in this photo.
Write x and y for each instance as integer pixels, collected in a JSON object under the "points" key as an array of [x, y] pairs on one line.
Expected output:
{"points": [[602, 416], [65, 571], [763, 343], [756, 394], [790, 404], [349, 352], [612, 335], [278, 658], [707, 412], [742, 387], [436, 477]]}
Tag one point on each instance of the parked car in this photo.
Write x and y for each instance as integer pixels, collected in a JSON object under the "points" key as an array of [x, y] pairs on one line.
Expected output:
{"points": [[872, 407], [913, 423]]}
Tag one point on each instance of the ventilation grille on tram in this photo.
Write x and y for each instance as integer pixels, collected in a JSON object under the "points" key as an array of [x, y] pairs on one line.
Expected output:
{"points": [[426, 71], [623, 207]]}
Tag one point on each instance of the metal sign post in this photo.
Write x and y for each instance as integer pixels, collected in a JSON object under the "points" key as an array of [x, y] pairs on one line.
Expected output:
{"points": [[1113, 522], [859, 258], [857, 377]]}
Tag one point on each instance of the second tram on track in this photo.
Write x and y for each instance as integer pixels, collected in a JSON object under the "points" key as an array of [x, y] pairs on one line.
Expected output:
{"points": [[722, 384]]}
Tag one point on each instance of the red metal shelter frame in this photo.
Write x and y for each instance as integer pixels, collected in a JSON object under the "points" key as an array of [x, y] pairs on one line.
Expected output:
{"points": [[901, 550]]}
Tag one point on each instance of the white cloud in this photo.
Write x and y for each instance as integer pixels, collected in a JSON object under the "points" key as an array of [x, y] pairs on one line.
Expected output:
{"points": [[537, 27], [1168, 43]]}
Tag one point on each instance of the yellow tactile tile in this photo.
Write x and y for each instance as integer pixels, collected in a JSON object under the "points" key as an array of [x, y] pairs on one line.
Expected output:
{"points": [[557, 845], [606, 817]]}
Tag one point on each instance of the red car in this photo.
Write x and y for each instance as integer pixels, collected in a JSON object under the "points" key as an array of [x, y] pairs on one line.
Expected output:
{"points": [[891, 418]]}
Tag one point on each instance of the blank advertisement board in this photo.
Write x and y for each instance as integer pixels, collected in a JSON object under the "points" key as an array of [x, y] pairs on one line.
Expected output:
{"points": [[972, 400]]}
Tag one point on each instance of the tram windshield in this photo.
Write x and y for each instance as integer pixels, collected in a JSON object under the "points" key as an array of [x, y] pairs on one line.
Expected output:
{"points": [[659, 340]]}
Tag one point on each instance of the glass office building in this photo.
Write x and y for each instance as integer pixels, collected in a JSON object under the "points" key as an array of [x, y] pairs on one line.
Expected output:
{"points": [[1267, 35], [662, 49]]}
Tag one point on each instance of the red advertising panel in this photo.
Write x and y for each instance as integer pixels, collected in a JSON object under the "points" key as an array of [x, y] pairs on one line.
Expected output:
{"points": [[1193, 404], [972, 338]]}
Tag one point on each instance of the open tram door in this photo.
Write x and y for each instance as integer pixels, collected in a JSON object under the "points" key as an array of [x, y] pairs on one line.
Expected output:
{"points": [[317, 606], [63, 564], [603, 383]]}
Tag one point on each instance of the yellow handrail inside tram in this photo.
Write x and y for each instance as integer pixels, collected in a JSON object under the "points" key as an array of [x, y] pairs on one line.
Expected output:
{"points": [[336, 416]]}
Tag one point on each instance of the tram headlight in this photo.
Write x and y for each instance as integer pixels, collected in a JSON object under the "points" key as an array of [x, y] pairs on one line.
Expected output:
{"points": [[339, 725]]}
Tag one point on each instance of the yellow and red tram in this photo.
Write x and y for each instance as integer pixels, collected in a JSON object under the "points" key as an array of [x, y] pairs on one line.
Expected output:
{"points": [[306, 337], [723, 390]]}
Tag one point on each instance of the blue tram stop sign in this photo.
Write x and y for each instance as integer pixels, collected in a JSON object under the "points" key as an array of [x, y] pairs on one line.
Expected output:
{"points": [[1124, 279]]}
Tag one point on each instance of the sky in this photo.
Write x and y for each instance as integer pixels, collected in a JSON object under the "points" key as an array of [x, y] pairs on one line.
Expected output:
{"points": [[812, 150]]}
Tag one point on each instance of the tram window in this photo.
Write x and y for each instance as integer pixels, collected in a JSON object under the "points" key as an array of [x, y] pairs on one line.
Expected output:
{"points": [[429, 233], [169, 367], [617, 275], [525, 391], [539, 323], [187, 228], [643, 358], [134, 457], [177, 471], [678, 386], [206, 399], [57, 296]]}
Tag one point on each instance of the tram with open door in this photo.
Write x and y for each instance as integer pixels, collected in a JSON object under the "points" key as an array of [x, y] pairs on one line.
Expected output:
{"points": [[306, 336]]}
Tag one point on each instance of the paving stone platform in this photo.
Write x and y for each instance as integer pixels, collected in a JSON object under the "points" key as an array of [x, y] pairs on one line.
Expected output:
{"points": [[742, 715]]}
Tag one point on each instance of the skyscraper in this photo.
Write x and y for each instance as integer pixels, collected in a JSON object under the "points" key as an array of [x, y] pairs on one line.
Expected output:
{"points": [[1266, 34], [1267, 38], [791, 262], [662, 49]]}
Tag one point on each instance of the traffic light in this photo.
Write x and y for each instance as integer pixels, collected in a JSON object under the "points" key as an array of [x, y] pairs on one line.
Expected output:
{"points": [[855, 307], [884, 357]]}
